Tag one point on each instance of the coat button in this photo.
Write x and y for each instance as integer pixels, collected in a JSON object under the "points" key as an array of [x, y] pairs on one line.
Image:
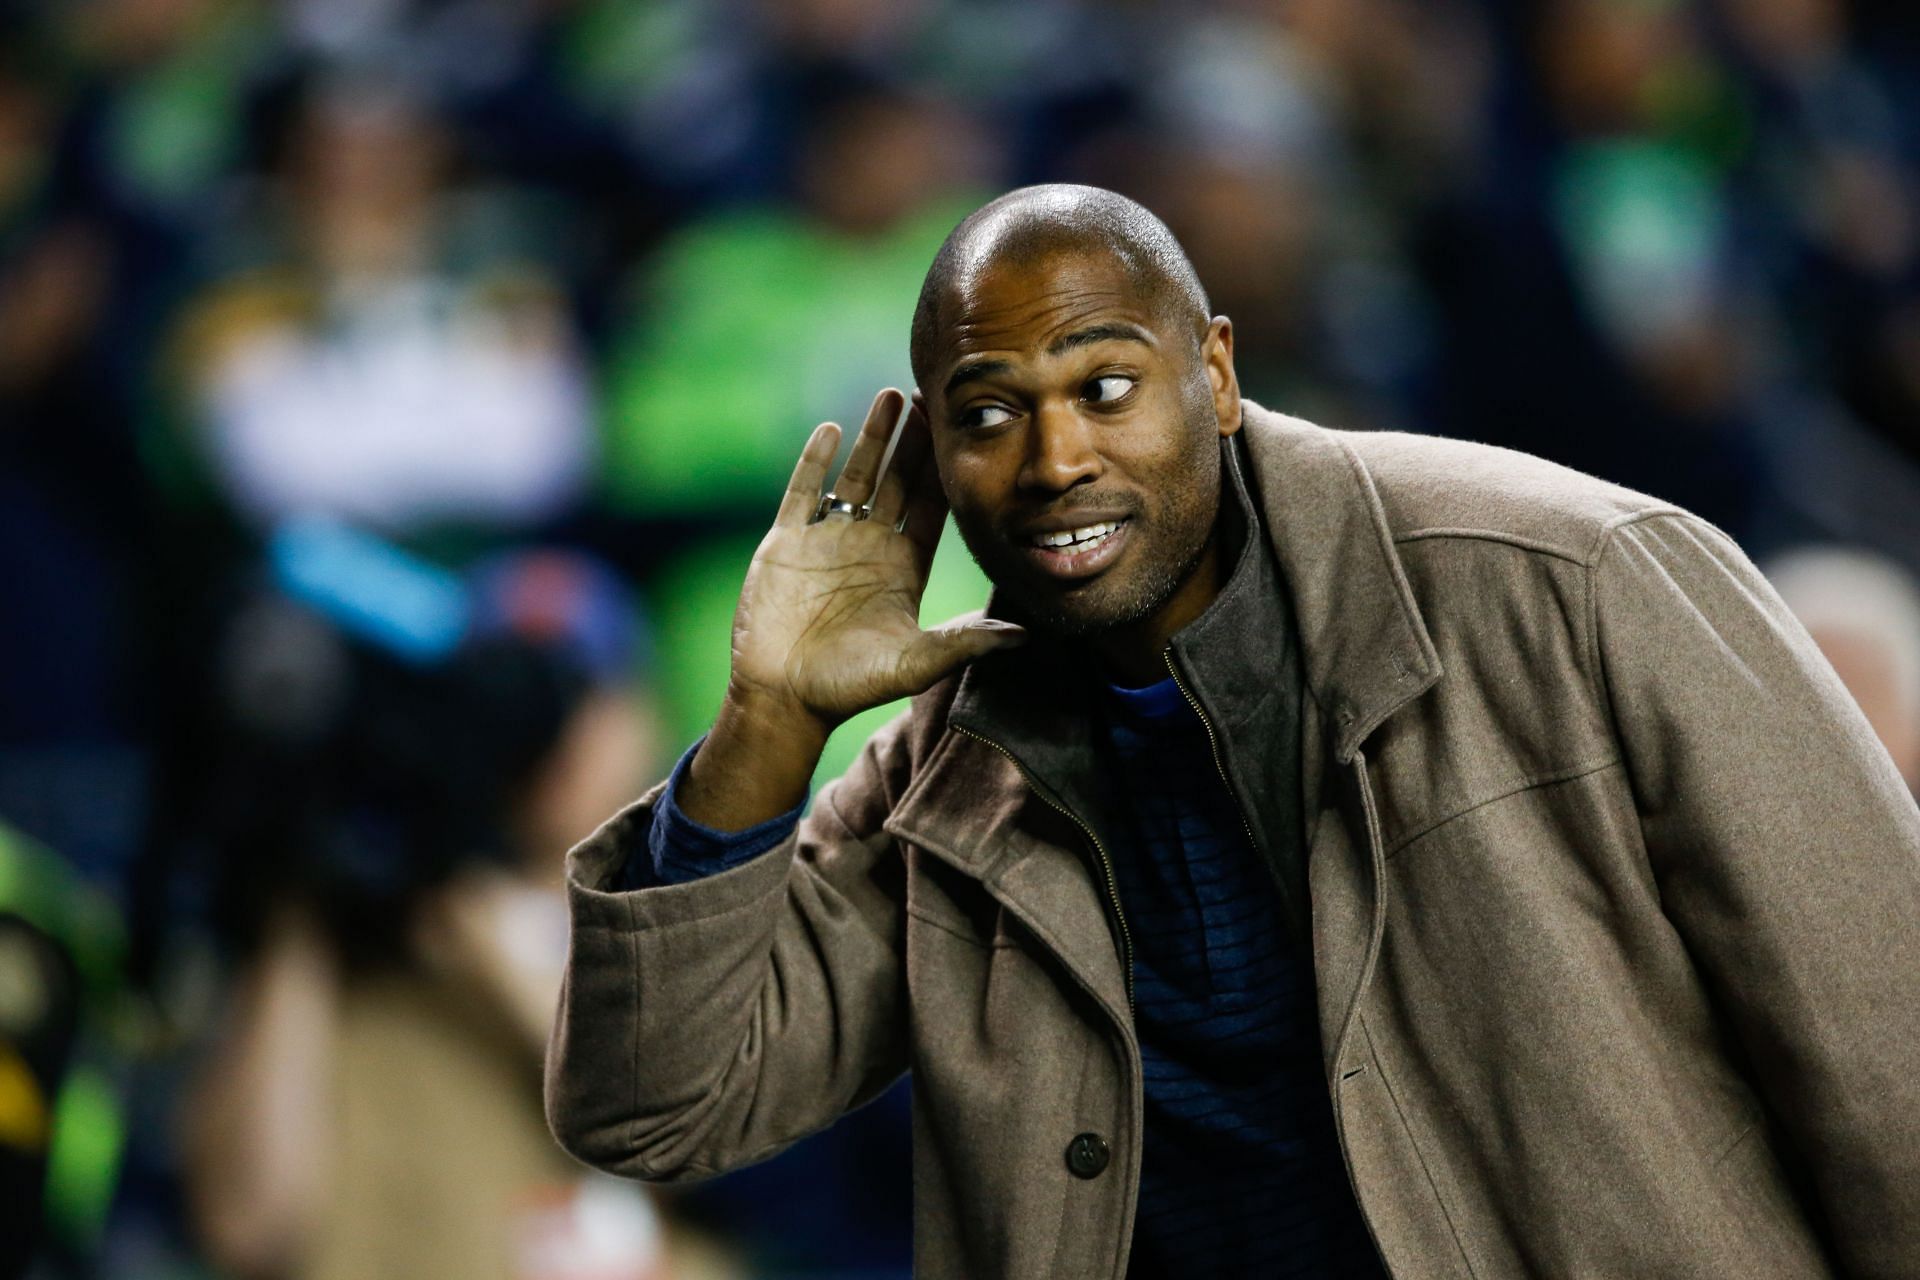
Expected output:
{"points": [[1087, 1155]]}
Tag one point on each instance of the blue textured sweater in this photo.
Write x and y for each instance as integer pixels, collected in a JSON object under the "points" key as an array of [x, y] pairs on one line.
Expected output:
{"points": [[1241, 1173]]}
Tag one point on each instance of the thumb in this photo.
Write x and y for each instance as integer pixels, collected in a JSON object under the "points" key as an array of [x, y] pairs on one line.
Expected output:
{"points": [[937, 652]]}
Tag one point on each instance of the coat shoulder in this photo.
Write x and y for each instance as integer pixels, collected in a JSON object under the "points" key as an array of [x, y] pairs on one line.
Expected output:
{"points": [[1434, 487]]}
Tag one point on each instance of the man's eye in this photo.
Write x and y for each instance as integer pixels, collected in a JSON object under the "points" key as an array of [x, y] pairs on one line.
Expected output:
{"points": [[1111, 387], [985, 415]]}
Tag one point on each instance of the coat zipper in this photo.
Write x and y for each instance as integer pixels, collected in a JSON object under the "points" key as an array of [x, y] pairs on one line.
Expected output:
{"points": [[1106, 863], [1214, 744]]}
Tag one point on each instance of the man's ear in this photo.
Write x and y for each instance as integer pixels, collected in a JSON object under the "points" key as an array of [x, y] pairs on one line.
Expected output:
{"points": [[1216, 352]]}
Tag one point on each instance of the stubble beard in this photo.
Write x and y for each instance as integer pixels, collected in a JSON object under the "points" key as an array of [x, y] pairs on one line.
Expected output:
{"points": [[1100, 605]]}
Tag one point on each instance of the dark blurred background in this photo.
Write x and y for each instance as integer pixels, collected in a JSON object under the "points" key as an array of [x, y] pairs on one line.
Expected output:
{"points": [[391, 393]]}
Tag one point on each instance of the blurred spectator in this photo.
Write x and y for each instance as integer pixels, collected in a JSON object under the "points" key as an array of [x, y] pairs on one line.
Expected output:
{"points": [[1638, 195], [394, 360], [1834, 173], [1329, 321], [1863, 610], [155, 129], [753, 326], [715, 98], [372, 1106], [73, 500]]}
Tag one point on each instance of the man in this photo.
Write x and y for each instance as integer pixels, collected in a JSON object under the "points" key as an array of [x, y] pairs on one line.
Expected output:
{"points": [[1571, 884]]}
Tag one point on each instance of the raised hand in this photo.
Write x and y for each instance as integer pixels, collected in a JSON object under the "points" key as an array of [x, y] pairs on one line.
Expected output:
{"points": [[828, 621]]}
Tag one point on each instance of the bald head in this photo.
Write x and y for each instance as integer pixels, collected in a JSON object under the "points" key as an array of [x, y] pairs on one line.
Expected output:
{"points": [[1033, 224]]}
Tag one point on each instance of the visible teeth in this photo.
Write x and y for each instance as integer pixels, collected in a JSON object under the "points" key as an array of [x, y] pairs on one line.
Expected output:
{"points": [[1068, 537]]}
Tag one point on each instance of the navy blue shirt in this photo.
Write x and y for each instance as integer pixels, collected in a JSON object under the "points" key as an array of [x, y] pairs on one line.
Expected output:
{"points": [[1241, 1172], [680, 850]]}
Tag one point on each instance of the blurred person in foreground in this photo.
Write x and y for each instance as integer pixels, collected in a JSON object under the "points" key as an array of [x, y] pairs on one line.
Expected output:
{"points": [[370, 1107], [1863, 610], [1384, 854]]}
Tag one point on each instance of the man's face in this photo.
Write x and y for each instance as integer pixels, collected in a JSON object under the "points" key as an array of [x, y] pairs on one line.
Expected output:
{"points": [[1076, 428]]}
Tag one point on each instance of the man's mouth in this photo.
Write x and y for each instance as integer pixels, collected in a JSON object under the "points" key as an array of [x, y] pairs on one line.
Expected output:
{"points": [[1081, 538], [1080, 551]]}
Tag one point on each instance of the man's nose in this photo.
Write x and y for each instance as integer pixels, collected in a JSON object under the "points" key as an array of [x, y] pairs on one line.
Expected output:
{"points": [[1062, 450]]}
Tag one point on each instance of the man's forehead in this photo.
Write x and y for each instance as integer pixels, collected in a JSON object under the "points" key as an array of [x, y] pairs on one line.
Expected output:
{"points": [[1014, 304]]}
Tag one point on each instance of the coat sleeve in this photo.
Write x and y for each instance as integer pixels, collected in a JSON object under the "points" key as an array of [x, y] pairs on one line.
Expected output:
{"points": [[1786, 849], [708, 1025]]}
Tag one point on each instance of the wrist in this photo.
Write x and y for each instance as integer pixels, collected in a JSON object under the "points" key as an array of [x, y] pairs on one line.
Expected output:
{"points": [[765, 716], [755, 764]]}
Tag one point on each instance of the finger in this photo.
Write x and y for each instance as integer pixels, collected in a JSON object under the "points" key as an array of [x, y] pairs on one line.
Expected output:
{"points": [[803, 490], [939, 651], [926, 514], [910, 448], [855, 484]]}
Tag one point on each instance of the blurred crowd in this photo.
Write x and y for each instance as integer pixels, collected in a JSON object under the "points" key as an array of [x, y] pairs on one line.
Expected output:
{"points": [[392, 391]]}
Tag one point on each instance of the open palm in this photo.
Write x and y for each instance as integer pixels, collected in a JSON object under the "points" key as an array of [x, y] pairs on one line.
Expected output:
{"points": [[828, 621]]}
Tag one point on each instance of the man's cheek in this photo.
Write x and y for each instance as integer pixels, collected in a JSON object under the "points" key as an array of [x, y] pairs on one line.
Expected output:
{"points": [[975, 535]]}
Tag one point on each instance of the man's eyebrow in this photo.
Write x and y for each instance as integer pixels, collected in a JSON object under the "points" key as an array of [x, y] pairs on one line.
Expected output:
{"points": [[974, 372], [1113, 331]]}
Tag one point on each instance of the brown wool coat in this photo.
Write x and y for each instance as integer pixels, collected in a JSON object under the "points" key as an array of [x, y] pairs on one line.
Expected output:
{"points": [[1615, 912]]}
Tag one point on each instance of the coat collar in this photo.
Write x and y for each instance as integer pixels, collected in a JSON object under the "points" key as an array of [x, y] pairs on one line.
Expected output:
{"points": [[1022, 720], [1365, 645]]}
